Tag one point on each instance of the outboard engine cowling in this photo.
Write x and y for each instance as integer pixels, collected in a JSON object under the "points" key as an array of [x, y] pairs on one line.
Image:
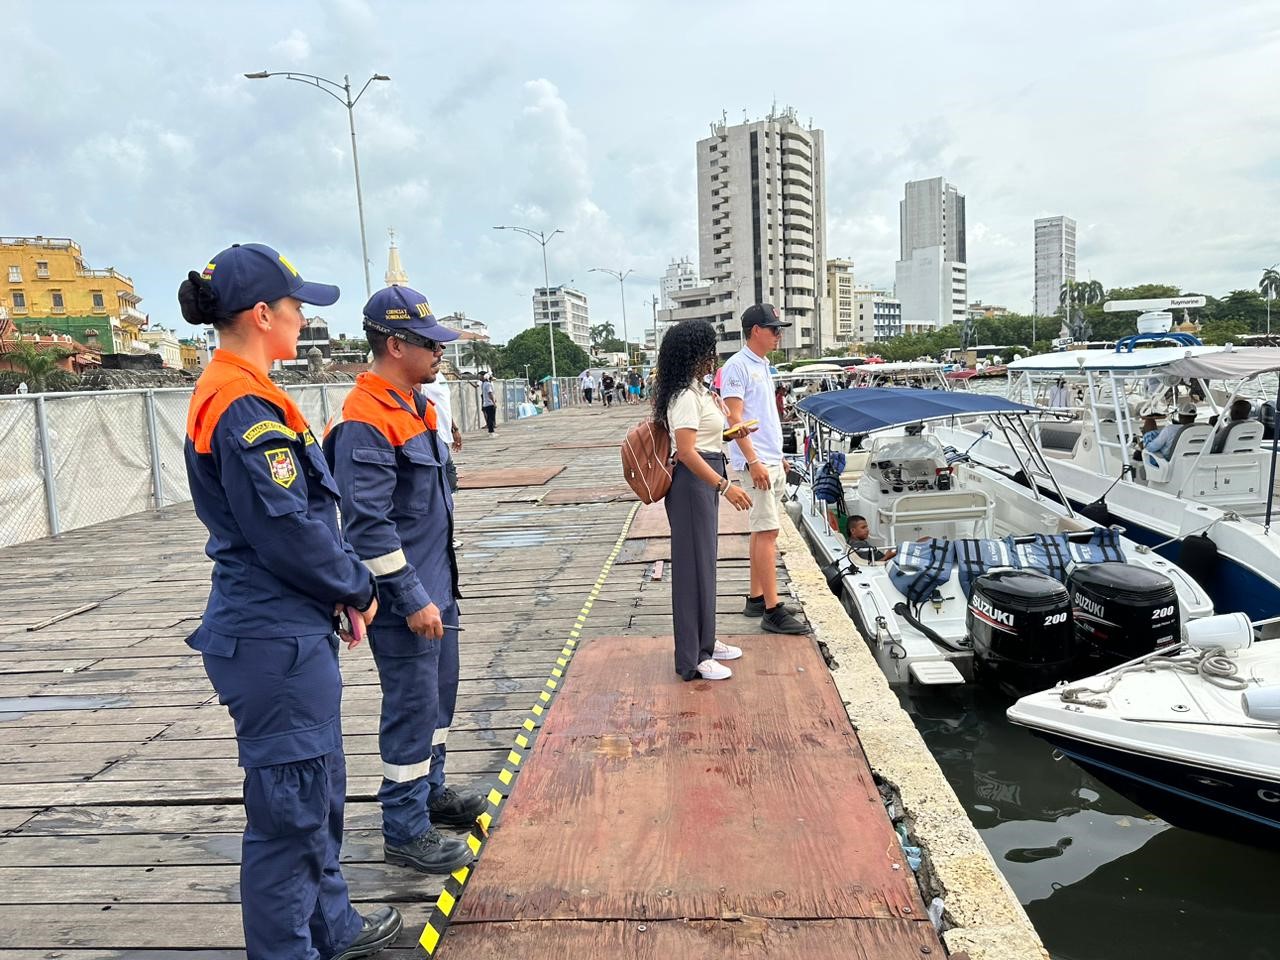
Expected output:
{"points": [[1122, 612], [1020, 623]]}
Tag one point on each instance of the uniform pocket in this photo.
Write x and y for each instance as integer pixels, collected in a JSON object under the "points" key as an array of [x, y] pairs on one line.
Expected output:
{"points": [[286, 799], [213, 644]]}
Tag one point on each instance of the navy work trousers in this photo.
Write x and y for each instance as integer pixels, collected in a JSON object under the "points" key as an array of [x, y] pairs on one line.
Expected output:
{"points": [[693, 512], [419, 679], [285, 694]]}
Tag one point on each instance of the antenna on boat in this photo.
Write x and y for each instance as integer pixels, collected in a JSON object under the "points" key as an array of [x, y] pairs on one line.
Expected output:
{"points": [[1155, 320]]}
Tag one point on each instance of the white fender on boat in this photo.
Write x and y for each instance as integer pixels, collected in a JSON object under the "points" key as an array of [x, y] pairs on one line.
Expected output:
{"points": [[1230, 631], [1262, 703]]}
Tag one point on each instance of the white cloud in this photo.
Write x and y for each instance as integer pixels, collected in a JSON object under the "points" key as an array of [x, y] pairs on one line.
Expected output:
{"points": [[295, 48], [1159, 136]]}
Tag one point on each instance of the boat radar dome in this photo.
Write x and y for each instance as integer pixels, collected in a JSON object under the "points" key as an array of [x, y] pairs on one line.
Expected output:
{"points": [[1158, 321]]}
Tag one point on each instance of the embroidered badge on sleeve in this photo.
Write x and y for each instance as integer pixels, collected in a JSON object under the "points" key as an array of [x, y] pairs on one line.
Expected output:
{"points": [[283, 468]]}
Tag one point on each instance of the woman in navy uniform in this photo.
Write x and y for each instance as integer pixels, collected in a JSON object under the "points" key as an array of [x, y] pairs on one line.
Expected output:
{"points": [[280, 572]]}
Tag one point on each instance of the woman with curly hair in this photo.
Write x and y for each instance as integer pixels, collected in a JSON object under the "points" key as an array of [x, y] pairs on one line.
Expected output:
{"points": [[694, 419]]}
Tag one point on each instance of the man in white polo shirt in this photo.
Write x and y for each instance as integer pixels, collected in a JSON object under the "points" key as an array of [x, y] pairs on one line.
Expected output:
{"points": [[747, 389]]}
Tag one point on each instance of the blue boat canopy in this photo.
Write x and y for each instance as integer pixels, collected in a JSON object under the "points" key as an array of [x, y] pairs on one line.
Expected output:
{"points": [[868, 409]]}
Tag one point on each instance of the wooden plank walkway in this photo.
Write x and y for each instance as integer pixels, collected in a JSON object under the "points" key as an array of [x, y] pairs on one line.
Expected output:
{"points": [[120, 805]]}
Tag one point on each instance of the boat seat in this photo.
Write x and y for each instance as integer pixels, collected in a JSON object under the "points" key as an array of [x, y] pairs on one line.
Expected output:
{"points": [[914, 515], [1243, 436], [1186, 447], [1055, 437]]}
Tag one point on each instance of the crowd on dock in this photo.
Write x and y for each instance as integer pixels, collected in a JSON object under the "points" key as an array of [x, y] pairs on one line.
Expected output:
{"points": [[290, 584]]}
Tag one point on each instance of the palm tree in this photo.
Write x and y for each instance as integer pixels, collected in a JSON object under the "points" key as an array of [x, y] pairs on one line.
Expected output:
{"points": [[1270, 287], [479, 354], [1074, 296], [39, 369], [600, 333]]}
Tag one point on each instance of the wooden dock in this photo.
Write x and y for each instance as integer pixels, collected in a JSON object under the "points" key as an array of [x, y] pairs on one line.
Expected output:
{"points": [[120, 811]]}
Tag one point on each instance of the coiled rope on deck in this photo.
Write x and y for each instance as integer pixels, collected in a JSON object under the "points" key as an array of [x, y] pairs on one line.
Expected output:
{"points": [[1211, 664]]}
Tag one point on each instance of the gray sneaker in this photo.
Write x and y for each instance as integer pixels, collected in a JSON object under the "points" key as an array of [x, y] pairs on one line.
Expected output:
{"points": [[755, 608], [780, 620]]}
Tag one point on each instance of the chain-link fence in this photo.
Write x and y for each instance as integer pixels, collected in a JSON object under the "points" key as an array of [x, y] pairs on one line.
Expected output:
{"points": [[71, 459]]}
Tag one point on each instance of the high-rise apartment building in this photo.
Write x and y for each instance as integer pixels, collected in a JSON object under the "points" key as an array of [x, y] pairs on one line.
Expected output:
{"points": [[566, 309], [680, 275], [840, 298], [762, 225], [1055, 261], [931, 275]]}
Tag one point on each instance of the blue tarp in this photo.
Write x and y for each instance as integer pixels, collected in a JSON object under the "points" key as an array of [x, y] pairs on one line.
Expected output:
{"points": [[867, 409]]}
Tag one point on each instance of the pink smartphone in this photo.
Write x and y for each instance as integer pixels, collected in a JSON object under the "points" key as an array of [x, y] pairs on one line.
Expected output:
{"points": [[356, 623]]}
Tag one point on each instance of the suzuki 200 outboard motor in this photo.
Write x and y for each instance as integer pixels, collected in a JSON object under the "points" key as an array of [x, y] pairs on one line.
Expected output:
{"points": [[1020, 622], [1121, 612]]}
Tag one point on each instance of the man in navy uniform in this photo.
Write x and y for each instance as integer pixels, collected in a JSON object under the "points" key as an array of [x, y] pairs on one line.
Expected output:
{"points": [[397, 513]]}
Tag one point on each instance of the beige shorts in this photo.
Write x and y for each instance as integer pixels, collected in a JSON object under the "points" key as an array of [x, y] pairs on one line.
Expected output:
{"points": [[765, 504]]}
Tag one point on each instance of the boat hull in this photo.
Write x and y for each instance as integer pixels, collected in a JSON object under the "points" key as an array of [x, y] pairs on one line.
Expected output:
{"points": [[1220, 802]]}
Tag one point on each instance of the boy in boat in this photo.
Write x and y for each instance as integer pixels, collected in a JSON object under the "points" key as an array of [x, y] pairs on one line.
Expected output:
{"points": [[863, 548]]}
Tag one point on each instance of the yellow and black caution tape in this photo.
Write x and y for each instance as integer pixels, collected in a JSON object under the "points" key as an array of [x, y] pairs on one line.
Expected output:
{"points": [[456, 882]]}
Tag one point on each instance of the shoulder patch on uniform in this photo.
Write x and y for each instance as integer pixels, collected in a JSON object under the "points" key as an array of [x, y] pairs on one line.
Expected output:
{"points": [[284, 470], [263, 427]]}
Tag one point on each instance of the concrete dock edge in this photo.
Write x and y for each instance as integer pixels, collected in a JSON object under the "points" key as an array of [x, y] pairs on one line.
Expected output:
{"points": [[982, 916]]}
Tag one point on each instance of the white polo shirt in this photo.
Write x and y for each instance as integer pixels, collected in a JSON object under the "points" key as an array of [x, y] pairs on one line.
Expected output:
{"points": [[746, 376], [438, 393]]}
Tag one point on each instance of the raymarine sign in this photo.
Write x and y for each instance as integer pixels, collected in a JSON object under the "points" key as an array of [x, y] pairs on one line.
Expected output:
{"points": [[1144, 306]]}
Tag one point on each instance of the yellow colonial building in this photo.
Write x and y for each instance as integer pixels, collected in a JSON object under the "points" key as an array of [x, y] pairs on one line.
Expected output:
{"points": [[46, 286]]}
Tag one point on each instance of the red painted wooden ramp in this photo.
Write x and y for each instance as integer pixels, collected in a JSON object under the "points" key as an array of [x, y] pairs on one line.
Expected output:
{"points": [[669, 819]]}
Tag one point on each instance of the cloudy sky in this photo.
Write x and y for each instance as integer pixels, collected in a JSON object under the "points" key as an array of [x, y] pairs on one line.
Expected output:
{"points": [[1154, 124]]}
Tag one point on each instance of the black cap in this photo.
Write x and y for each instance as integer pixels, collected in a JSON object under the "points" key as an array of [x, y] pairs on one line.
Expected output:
{"points": [[762, 315]]}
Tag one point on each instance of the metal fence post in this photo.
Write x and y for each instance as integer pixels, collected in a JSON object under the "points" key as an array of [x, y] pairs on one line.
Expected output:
{"points": [[324, 405], [46, 461], [157, 475]]}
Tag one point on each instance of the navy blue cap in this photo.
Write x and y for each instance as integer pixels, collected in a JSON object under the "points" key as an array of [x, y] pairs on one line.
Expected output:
{"points": [[249, 273], [395, 309]]}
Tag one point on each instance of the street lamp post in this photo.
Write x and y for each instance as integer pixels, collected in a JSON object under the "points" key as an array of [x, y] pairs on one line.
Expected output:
{"points": [[543, 239], [329, 87], [654, 303], [1268, 298], [621, 278]]}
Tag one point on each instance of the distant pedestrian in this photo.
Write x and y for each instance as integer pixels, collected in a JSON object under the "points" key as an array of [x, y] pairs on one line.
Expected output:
{"points": [[587, 384], [437, 391], [281, 571], [747, 388], [487, 401], [606, 388], [633, 386], [696, 423]]}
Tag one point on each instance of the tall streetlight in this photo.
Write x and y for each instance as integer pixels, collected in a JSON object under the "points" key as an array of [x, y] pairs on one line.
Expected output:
{"points": [[653, 361], [621, 278], [1268, 297], [543, 239], [330, 87]]}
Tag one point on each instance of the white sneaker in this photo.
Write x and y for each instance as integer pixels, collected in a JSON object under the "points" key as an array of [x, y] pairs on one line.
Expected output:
{"points": [[726, 652], [457, 544], [711, 670]]}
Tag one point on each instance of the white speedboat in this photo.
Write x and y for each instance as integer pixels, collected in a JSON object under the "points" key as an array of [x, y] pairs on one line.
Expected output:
{"points": [[1208, 504], [992, 578], [1192, 734]]}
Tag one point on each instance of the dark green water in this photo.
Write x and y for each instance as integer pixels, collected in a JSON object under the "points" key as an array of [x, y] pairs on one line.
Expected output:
{"points": [[1099, 877]]}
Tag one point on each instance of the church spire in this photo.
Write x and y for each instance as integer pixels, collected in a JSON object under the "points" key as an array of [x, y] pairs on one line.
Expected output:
{"points": [[395, 271]]}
